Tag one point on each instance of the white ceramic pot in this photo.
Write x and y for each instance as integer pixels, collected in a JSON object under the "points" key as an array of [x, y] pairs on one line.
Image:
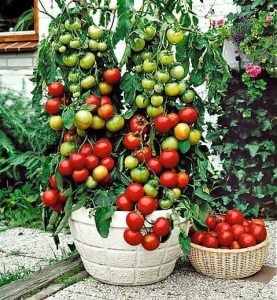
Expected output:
{"points": [[112, 260]]}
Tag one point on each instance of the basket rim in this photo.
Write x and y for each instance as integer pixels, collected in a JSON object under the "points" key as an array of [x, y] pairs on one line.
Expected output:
{"points": [[217, 250]]}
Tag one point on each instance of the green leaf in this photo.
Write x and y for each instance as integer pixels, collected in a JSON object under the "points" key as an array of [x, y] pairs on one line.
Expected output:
{"points": [[59, 179], [253, 149], [195, 210], [203, 211], [123, 30], [184, 146], [68, 117], [103, 218], [130, 83], [202, 195], [184, 241], [124, 6]]}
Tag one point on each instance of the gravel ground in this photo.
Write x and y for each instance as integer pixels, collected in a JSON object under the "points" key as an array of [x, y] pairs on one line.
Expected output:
{"points": [[183, 283], [29, 248]]}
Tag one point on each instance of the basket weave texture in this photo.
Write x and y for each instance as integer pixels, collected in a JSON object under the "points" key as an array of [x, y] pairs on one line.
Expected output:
{"points": [[228, 264]]}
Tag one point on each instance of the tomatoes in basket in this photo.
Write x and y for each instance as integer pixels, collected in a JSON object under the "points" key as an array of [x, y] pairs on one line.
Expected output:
{"points": [[235, 245], [225, 238], [247, 240], [222, 226], [259, 232], [237, 230], [234, 216], [210, 241], [197, 237], [211, 222], [150, 241], [132, 237]]}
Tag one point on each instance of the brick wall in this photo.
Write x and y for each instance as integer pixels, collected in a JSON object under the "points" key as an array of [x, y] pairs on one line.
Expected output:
{"points": [[16, 68]]}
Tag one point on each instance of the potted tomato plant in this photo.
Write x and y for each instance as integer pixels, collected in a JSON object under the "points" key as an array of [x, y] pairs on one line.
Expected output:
{"points": [[130, 173]]}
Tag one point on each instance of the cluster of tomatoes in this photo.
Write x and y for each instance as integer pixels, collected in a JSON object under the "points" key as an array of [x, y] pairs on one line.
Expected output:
{"points": [[52, 197], [231, 231], [137, 233], [92, 164]]}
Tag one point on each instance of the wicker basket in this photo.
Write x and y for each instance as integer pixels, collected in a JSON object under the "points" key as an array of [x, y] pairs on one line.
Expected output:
{"points": [[228, 264]]}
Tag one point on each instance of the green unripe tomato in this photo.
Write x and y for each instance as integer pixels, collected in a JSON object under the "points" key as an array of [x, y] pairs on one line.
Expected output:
{"points": [[182, 87], [62, 49], [70, 60], [153, 111], [68, 148], [177, 72], [115, 123], [158, 88], [74, 88], [93, 45], [153, 182], [172, 89], [149, 33], [139, 69], [146, 55], [65, 38], [87, 61], [141, 101], [137, 44], [150, 190], [165, 203], [157, 100], [174, 37], [149, 66], [71, 26], [88, 82], [148, 84], [162, 77], [166, 58], [75, 44], [130, 162], [139, 174], [73, 77], [102, 46], [188, 96], [91, 183], [170, 143], [95, 32]]}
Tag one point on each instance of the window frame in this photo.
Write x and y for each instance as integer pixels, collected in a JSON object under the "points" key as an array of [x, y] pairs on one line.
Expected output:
{"points": [[23, 36]]}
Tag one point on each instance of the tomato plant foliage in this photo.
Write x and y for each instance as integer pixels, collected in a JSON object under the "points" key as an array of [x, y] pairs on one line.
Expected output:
{"points": [[165, 55]]}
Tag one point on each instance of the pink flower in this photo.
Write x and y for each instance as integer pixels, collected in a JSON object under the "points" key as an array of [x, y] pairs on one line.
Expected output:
{"points": [[253, 70], [268, 19], [217, 22], [220, 22]]}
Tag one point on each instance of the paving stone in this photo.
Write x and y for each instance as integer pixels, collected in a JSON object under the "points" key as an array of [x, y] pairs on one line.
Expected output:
{"points": [[32, 243], [272, 257]]}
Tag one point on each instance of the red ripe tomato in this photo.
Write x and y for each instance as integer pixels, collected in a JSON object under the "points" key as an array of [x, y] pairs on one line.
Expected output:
{"points": [[154, 165], [222, 227], [86, 149], [106, 181], [53, 182], [161, 226], [246, 222], [162, 124], [62, 197], [65, 168], [124, 203], [50, 197], [237, 230], [135, 220], [174, 119], [131, 141], [258, 222], [91, 161], [103, 148], [259, 232], [211, 222], [234, 216], [58, 207], [105, 111], [197, 237], [188, 115], [105, 100], [247, 240], [139, 124], [112, 76], [77, 161], [93, 100], [221, 218], [225, 238], [52, 106], [168, 179], [143, 154], [80, 175], [150, 241], [134, 191], [182, 180], [235, 245], [146, 205], [132, 237], [56, 89], [169, 158], [68, 137], [212, 233], [210, 241], [108, 162]]}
